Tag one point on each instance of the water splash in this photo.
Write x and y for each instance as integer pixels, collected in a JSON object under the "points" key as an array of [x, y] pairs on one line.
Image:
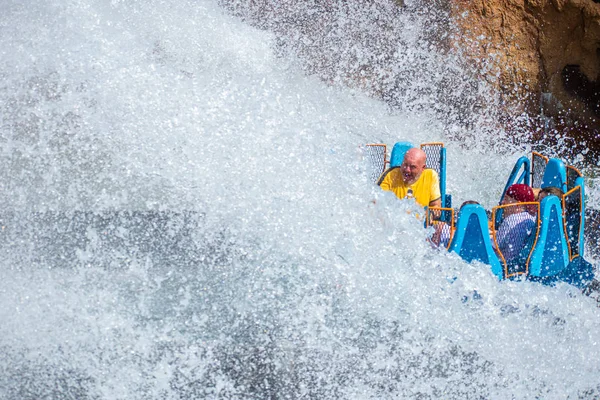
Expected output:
{"points": [[186, 214]]}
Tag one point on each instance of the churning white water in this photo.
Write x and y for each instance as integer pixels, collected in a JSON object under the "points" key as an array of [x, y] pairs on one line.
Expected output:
{"points": [[186, 214]]}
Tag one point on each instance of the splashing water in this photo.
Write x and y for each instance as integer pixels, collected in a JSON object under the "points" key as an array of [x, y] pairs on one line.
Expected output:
{"points": [[186, 214]]}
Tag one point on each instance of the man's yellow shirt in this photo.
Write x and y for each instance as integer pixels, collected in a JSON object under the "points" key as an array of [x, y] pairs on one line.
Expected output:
{"points": [[425, 190]]}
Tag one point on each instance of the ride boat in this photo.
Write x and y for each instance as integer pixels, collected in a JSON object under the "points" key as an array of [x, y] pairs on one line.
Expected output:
{"points": [[553, 250]]}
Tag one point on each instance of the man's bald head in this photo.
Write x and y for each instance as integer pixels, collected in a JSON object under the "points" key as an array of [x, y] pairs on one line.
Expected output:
{"points": [[413, 165]]}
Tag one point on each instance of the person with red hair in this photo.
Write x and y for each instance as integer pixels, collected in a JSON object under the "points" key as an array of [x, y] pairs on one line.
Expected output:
{"points": [[518, 221]]}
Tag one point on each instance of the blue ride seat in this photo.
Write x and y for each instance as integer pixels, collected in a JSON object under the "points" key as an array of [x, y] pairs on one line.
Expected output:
{"points": [[398, 152], [550, 260], [472, 240], [550, 254], [555, 175], [554, 251]]}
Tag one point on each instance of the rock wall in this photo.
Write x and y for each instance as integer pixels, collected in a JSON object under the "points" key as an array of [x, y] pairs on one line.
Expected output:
{"points": [[543, 54]]}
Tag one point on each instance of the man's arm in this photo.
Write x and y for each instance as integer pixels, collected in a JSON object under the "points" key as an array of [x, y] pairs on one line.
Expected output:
{"points": [[436, 203], [436, 214]]}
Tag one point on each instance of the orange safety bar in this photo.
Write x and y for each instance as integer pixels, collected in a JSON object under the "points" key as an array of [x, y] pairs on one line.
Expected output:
{"points": [[432, 144], [578, 172], [535, 153]]}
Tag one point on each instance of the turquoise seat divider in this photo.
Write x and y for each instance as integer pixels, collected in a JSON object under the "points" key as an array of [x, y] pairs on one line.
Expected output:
{"points": [[398, 152], [550, 255], [446, 198], [472, 241], [555, 175]]}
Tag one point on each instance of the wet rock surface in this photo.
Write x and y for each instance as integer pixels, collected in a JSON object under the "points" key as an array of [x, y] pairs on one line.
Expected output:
{"points": [[543, 55]]}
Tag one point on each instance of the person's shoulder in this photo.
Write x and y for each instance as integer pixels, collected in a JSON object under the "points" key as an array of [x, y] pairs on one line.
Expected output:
{"points": [[388, 175], [429, 176], [430, 173]]}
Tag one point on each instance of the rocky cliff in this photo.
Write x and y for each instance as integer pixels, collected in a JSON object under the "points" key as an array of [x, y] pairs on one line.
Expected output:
{"points": [[543, 54]]}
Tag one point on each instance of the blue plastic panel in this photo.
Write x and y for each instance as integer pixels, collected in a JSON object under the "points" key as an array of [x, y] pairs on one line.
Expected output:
{"points": [[398, 152], [550, 255], [555, 175], [472, 240]]}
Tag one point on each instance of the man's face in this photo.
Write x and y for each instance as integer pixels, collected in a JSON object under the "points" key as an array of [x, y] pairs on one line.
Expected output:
{"points": [[412, 167]]}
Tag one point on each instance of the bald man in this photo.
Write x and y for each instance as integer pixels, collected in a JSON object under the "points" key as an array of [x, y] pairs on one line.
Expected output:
{"points": [[412, 179]]}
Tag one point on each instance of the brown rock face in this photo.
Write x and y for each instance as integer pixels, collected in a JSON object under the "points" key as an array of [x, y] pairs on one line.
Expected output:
{"points": [[543, 54]]}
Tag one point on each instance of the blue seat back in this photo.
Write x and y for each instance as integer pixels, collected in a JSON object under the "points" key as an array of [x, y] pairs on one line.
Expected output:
{"points": [[555, 175], [550, 254], [472, 240], [398, 152]]}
